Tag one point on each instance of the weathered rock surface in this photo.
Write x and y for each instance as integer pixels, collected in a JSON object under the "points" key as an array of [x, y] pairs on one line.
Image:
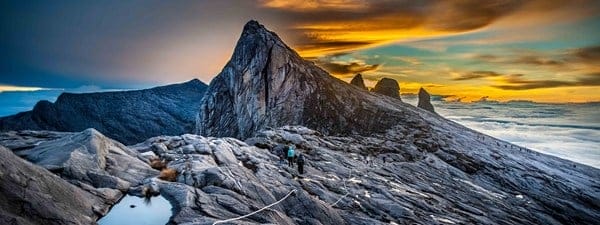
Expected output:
{"points": [[32, 195], [468, 180], [26, 139], [359, 82], [127, 116], [425, 101], [267, 84], [387, 87], [91, 158]]}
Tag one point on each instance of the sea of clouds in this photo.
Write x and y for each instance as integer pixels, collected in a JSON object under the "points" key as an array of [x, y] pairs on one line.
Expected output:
{"points": [[570, 131]]}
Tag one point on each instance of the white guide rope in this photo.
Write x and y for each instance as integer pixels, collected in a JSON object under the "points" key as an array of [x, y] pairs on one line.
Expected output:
{"points": [[257, 211]]}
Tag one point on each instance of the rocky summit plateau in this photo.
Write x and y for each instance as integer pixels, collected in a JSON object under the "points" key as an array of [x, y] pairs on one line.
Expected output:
{"points": [[370, 159]]}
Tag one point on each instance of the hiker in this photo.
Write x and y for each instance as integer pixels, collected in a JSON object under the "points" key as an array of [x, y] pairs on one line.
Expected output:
{"points": [[290, 155], [300, 163], [280, 151]]}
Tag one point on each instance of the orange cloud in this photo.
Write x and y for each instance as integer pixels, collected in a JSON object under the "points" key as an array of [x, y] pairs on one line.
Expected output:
{"points": [[322, 27]]}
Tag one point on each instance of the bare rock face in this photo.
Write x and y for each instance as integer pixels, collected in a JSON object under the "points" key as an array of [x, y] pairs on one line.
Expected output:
{"points": [[359, 82], [90, 158], [267, 84], [32, 195], [425, 101], [126, 116], [388, 87]]}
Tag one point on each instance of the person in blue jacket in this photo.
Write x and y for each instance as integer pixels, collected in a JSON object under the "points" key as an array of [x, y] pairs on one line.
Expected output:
{"points": [[290, 155]]}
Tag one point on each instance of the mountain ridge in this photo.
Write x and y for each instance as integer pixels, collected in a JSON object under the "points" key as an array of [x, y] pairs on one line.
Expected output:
{"points": [[127, 116]]}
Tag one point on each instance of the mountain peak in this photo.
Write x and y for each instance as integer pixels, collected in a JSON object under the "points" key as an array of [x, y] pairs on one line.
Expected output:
{"points": [[253, 30], [253, 26], [359, 82], [267, 84]]}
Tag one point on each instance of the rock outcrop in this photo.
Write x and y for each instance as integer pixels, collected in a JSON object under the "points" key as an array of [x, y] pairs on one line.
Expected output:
{"points": [[91, 158], [96, 170], [425, 101], [32, 195], [387, 87], [127, 116], [359, 82], [267, 84]]}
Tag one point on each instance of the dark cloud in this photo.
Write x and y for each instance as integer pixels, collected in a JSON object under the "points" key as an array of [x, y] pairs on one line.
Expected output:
{"points": [[523, 84], [537, 61], [319, 21], [526, 59], [588, 54], [334, 46], [346, 68], [477, 75], [468, 15], [486, 57]]}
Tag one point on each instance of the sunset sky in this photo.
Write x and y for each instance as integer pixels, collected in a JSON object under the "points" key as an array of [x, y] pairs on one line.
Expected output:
{"points": [[540, 50]]}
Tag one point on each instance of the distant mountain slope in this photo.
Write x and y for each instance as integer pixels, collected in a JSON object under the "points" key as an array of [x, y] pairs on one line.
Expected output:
{"points": [[127, 116], [267, 84]]}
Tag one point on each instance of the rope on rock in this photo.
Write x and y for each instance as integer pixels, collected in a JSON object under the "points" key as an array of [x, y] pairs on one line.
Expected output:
{"points": [[345, 188], [257, 211]]}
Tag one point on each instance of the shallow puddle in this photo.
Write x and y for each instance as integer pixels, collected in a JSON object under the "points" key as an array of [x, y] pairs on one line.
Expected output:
{"points": [[135, 210]]}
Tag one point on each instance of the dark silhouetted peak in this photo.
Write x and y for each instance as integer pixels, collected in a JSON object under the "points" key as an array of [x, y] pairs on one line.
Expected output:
{"points": [[127, 116], [253, 26], [425, 101], [387, 86], [359, 82]]}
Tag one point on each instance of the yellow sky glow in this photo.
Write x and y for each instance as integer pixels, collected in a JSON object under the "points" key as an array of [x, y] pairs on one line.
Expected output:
{"points": [[18, 88]]}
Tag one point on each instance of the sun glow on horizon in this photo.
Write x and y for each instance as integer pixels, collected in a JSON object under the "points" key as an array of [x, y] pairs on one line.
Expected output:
{"points": [[4, 88]]}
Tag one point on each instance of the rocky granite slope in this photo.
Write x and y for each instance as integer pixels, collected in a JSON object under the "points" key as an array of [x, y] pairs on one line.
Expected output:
{"points": [[267, 84], [471, 179], [127, 116], [93, 174], [486, 181], [30, 194]]}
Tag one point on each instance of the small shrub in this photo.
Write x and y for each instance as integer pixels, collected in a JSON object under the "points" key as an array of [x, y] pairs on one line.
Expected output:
{"points": [[168, 174], [158, 164]]}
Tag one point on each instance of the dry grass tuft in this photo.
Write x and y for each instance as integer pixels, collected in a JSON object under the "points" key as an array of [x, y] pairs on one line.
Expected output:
{"points": [[158, 164], [168, 174]]}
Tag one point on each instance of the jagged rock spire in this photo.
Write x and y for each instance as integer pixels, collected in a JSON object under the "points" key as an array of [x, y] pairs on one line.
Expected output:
{"points": [[425, 101], [389, 87], [358, 81], [267, 84]]}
